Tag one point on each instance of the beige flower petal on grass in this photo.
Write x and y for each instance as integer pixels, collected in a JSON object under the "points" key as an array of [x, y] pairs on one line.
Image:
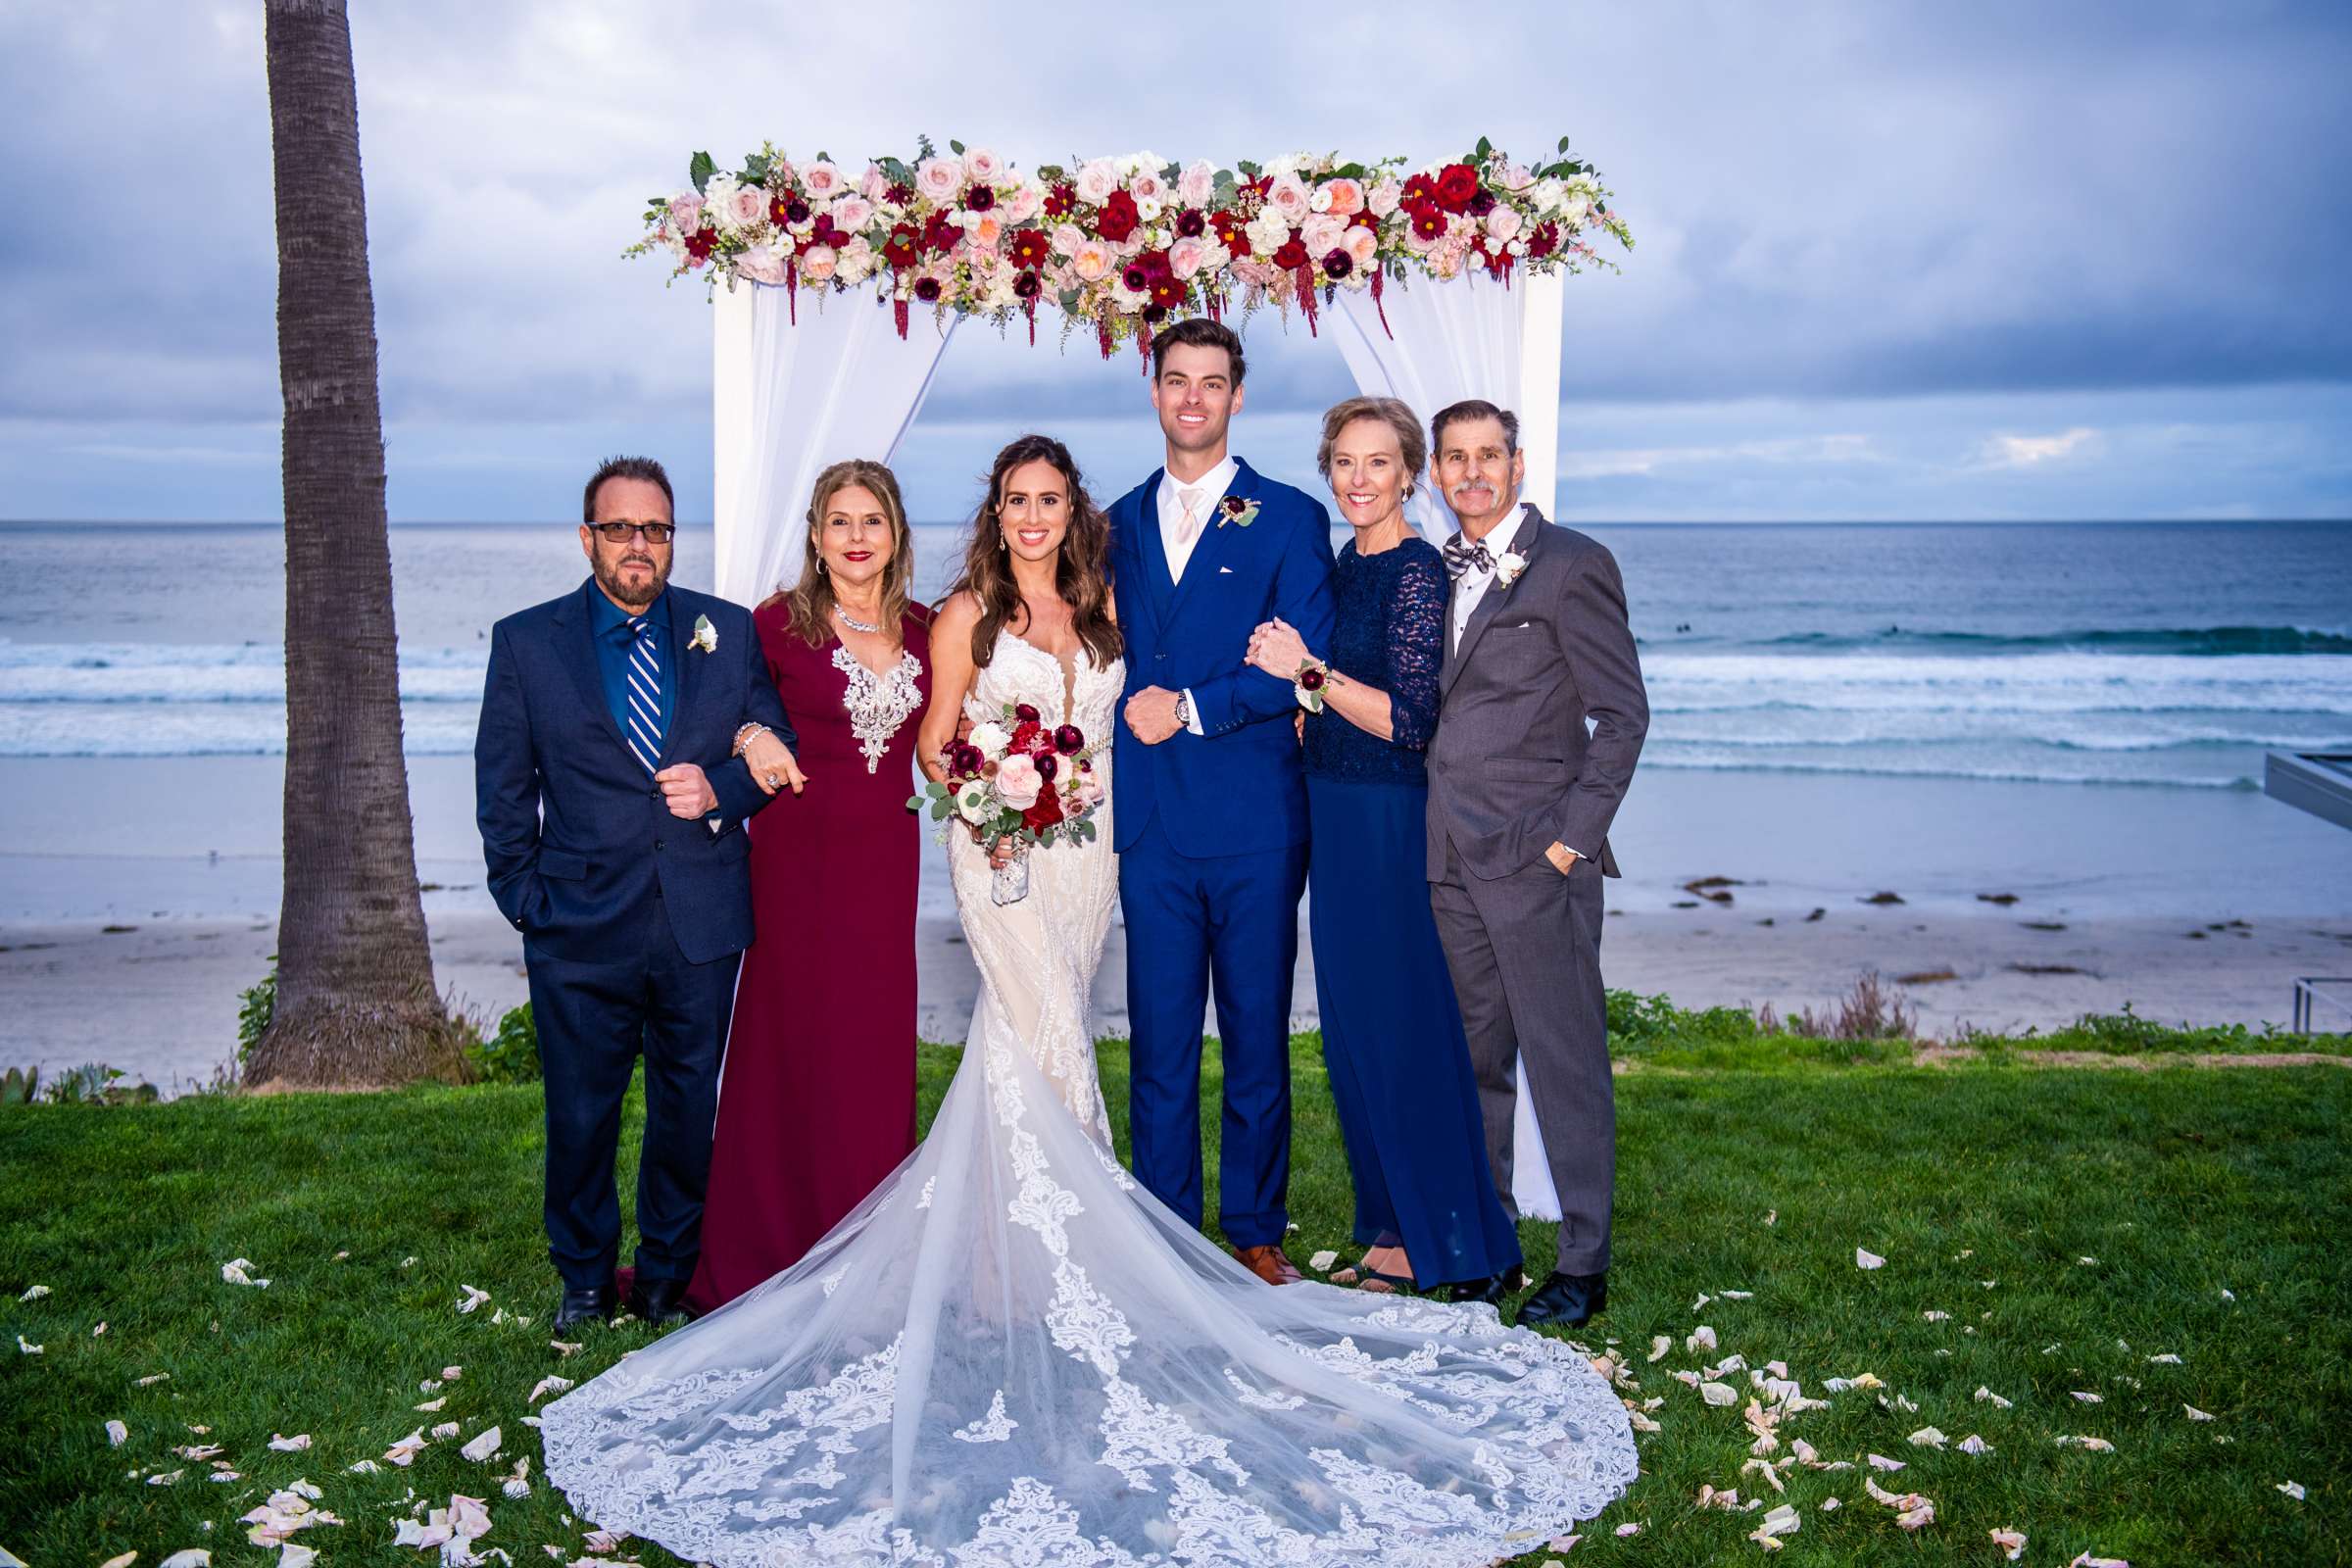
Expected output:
{"points": [[1772, 1216], [2086, 1560], [1771, 1477], [1660, 1345], [293, 1444], [562, 1347], [2083, 1396], [116, 1434], [168, 1478], [193, 1557], [1879, 1461], [233, 1272], [2094, 1445], [2165, 1359], [365, 1467], [2195, 1414], [1867, 1259], [1928, 1438], [1737, 1296], [1701, 1305], [451, 1374], [1830, 1506], [1700, 1338], [98, 1331], [472, 1298], [2011, 1542], [124, 1561], [1719, 1394], [547, 1385], [27, 1347], [408, 1262], [291, 1555], [481, 1450], [199, 1451], [1629, 1528], [1985, 1395], [407, 1449], [1784, 1520], [430, 1406], [445, 1431], [33, 1293], [2292, 1490], [1935, 1317], [151, 1379], [1971, 1443], [1321, 1262]]}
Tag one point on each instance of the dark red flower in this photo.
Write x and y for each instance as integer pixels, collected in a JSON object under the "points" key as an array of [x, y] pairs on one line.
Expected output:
{"points": [[1292, 253], [795, 211], [1167, 290], [980, 198], [969, 758], [898, 195], [927, 289], [1364, 217], [701, 243], [1337, 265], [1026, 713], [1544, 239], [1137, 277], [1428, 221], [905, 247], [1311, 680], [1061, 200], [1190, 224], [1481, 203], [1024, 736], [1027, 287], [1117, 218], [942, 232], [779, 211], [1045, 812], [1069, 740], [1457, 184], [827, 232], [1420, 188], [1048, 764], [1155, 314], [1233, 506], [1029, 248]]}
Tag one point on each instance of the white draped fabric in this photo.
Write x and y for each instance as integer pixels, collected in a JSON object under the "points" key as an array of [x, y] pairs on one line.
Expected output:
{"points": [[791, 398], [1472, 337]]}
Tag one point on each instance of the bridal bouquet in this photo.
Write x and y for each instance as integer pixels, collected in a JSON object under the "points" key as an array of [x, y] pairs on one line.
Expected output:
{"points": [[1016, 778]]}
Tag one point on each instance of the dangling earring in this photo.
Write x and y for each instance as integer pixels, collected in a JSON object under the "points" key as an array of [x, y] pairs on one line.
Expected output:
{"points": [[820, 566]]}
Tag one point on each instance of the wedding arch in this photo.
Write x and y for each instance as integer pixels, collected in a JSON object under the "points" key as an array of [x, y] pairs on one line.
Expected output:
{"points": [[1437, 282]]}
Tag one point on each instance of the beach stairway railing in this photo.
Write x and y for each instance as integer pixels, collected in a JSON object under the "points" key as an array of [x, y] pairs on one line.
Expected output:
{"points": [[2313, 991]]}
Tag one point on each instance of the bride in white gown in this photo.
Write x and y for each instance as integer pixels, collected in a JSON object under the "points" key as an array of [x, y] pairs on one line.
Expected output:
{"points": [[1011, 1353]]}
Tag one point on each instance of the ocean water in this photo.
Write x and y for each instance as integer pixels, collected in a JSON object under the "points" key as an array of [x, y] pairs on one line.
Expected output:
{"points": [[2149, 653]]}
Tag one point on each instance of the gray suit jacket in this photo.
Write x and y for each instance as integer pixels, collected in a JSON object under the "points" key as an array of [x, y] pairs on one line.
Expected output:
{"points": [[1512, 768]]}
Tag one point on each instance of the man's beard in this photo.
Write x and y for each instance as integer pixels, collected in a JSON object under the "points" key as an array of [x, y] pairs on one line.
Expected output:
{"points": [[610, 578]]}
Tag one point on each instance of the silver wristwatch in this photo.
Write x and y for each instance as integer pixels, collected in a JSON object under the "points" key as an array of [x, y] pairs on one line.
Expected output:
{"points": [[1184, 710]]}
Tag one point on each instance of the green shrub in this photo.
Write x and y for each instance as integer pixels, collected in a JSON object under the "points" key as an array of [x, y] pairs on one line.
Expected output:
{"points": [[1636, 1022], [255, 1007], [510, 1055]]}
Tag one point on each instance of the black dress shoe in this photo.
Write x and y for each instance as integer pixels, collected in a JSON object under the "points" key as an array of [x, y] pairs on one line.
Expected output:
{"points": [[660, 1302], [1567, 1300], [594, 1305], [1493, 1291]]}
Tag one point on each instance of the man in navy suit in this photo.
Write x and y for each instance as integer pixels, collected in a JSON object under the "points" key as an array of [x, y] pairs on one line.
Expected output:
{"points": [[613, 807], [1211, 814]]}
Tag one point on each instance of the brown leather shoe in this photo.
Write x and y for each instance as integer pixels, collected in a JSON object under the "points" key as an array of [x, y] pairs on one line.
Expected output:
{"points": [[1269, 1264]]}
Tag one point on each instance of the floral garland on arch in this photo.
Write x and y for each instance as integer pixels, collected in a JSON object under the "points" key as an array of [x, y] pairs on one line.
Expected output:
{"points": [[1125, 244]]}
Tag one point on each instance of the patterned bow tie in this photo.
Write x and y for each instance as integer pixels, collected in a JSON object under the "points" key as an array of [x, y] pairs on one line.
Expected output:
{"points": [[1461, 555]]}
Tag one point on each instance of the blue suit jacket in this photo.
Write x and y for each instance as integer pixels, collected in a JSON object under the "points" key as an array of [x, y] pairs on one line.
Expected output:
{"points": [[1235, 788], [584, 855]]}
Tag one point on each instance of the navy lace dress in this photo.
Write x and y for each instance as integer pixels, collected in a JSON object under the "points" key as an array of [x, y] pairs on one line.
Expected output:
{"points": [[1392, 1038]]}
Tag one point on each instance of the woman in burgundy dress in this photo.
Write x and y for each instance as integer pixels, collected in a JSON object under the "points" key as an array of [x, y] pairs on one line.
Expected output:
{"points": [[816, 1099]]}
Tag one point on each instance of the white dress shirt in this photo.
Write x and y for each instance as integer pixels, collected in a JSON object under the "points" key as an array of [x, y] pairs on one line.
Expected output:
{"points": [[1180, 529], [1471, 586]]}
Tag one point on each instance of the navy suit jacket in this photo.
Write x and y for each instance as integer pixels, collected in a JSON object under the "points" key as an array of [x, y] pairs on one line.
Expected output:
{"points": [[583, 853], [1236, 788]]}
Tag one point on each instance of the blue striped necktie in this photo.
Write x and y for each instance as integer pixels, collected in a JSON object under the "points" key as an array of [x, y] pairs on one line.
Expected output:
{"points": [[645, 696]]}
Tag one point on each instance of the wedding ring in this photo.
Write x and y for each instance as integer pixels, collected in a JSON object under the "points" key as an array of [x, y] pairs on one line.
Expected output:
{"points": [[773, 782]]}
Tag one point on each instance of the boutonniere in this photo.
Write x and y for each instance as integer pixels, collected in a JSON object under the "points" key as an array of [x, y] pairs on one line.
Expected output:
{"points": [[706, 635], [1234, 510], [1508, 566]]}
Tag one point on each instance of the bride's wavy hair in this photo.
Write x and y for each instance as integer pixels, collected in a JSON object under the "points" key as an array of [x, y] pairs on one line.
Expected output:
{"points": [[1082, 575], [809, 602]]}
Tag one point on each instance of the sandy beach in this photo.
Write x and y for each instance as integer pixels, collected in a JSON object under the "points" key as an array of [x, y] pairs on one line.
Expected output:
{"points": [[138, 898]]}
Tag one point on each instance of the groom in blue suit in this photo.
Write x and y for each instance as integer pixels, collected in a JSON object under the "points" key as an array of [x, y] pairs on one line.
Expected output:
{"points": [[611, 808], [1211, 810]]}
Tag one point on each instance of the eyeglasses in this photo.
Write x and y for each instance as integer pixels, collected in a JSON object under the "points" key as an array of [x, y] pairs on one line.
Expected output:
{"points": [[617, 533]]}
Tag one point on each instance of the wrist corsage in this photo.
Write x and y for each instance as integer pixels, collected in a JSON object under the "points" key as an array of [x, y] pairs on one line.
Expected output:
{"points": [[1313, 680]]}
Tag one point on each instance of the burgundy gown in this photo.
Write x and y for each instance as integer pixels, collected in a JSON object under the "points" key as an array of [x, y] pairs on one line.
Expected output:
{"points": [[817, 1098]]}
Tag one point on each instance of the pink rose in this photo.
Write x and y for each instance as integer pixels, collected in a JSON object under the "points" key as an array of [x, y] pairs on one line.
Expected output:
{"points": [[1018, 781], [762, 265], [1419, 245], [1323, 233], [857, 261], [939, 178], [822, 181], [1347, 197], [817, 262], [1289, 196], [1087, 791], [1096, 180], [984, 230], [853, 212], [1067, 237], [1186, 256], [746, 208], [685, 213], [1146, 185], [1091, 258], [1258, 274], [1197, 184], [1023, 204], [876, 186], [1504, 221], [1361, 245], [1516, 176], [983, 165], [1384, 198]]}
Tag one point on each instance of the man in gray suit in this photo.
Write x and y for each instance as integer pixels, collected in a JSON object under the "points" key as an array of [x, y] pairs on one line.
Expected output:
{"points": [[1521, 794]]}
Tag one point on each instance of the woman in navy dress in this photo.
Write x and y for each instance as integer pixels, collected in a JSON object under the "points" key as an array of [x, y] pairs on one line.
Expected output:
{"points": [[1399, 1066]]}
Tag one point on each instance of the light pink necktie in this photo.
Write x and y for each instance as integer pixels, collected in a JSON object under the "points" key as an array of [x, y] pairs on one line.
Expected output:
{"points": [[1189, 498]]}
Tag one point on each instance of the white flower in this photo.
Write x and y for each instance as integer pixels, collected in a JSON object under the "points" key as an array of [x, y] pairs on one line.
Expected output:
{"points": [[762, 265], [1066, 238], [1508, 566], [1269, 231], [939, 178], [706, 635], [983, 165], [1384, 198], [1197, 184], [1149, 209], [1096, 181], [971, 801], [991, 737], [822, 181]]}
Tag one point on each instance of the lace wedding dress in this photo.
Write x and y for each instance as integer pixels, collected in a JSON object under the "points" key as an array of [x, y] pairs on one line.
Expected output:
{"points": [[1011, 1353]]}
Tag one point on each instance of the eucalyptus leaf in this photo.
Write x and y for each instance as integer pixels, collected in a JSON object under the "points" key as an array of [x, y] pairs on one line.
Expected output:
{"points": [[956, 147], [700, 169]]}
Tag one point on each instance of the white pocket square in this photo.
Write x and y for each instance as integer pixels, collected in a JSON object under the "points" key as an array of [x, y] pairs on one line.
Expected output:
{"points": [[1224, 571]]}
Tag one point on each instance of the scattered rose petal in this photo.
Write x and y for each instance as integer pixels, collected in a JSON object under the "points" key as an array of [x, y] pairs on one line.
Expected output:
{"points": [[1703, 1339], [152, 1379], [562, 1347], [407, 1449], [2165, 1359], [2086, 1560], [293, 1444], [1935, 1317], [446, 1428], [233, 1272], [1719, 1394], [341, 1256], [124, 1561], [1986, 1396], [1928, 1438], [2195, 1414], [193, 1557], [1864, 1259], [99, 1330], [2011, 1542], [33, 1293], [1772, 1216], [224, 1476], [168, 1478], [451, 1374], [365, 1467], [2228, 1295], [430, 1406], [548, 1385], [408, 1262], [2094, 1445], [472, 1299], [1629, 1529], [2087, 1262], [2292, 1490], [2082, 1396], [484, 1446], [428, 1384], [1660, 1346], [291, 1555], [116, 1434], [1737, 1296], [27, 1347], [1700, 1305], [1830, 1506], [1971, 1443], [1782, 1520], [1879, 1461]]}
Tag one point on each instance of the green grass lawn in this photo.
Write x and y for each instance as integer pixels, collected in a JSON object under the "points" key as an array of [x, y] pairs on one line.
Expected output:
{"points": [[2073, 1224]]}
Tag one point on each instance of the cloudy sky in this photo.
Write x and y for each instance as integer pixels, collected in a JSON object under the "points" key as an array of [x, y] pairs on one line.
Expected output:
{"points": [[1993, 260]]}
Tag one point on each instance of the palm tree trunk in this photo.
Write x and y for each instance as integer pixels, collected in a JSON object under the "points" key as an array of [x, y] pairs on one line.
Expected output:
{"points": [[356, 1003]]}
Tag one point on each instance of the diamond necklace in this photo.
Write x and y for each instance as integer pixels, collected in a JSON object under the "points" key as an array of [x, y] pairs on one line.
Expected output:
{"points": [[852, 623]]}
